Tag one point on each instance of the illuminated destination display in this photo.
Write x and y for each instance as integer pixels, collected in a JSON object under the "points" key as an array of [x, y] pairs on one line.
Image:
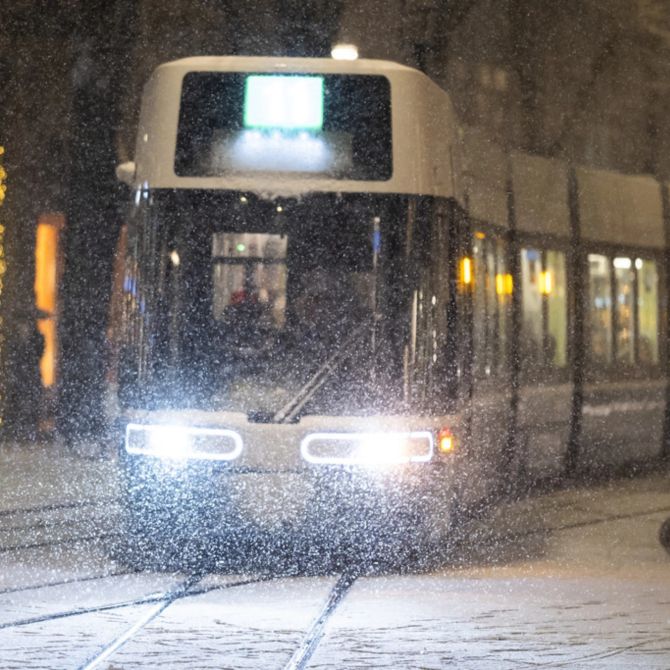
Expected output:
{"points": [[283, 102]]}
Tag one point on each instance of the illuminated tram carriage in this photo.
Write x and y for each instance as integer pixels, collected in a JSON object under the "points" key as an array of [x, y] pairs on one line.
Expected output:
{"points": [[290, 353]]}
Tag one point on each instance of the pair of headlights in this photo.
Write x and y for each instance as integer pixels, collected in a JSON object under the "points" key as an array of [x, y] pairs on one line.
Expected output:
{"points": [[177, 443]]}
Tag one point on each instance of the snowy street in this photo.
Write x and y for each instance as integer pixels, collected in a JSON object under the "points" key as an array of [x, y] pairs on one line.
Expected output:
{"points": [[573, 579]]}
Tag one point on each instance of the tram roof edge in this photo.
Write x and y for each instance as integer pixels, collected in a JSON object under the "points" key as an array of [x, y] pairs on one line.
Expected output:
{"points": [[424, 131], [279, 63]]}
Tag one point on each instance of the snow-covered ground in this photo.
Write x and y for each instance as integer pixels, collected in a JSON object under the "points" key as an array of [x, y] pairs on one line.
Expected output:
{"points": [[573, 579]]}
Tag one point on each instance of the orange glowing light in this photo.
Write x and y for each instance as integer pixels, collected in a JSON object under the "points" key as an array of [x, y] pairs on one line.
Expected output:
{"points": [[46, 290], [504, 284], [446, 441], [466, 271]]}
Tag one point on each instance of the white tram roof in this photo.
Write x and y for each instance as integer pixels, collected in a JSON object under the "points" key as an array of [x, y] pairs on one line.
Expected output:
{"points": [[423, 130], [620, 209], [541, 201]]}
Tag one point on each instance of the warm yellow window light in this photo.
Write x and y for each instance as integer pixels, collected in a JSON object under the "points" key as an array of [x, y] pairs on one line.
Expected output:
{"points": [[504, 284], [546, 283], [46, 290], [466, 270]]}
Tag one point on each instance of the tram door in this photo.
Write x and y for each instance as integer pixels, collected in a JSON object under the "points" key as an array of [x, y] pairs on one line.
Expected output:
{"points": [[545, 388], [625, 385], [490, 284]]}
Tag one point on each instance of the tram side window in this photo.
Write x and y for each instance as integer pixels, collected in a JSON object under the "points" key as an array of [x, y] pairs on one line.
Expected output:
{"points": [[544, 309], [491, 301], [600, 310], [647, 311], [624, 314], [623, 311], [557, 308]]}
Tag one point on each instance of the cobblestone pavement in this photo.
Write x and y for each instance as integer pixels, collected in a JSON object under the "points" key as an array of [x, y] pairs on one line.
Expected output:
{"points": [[573, 579]]}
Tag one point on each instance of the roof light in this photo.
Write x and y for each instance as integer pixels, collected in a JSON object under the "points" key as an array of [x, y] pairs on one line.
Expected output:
{"points": [[344, 52]]}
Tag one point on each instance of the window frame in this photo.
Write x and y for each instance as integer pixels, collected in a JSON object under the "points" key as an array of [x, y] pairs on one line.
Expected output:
{"points": [[501, 371], [549, 374], [617, 369]]}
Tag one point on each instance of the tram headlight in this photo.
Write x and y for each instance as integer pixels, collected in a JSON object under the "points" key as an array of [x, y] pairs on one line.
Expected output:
{"points": [[169, 442], [382, 449], [179, 443], [368, 449]]}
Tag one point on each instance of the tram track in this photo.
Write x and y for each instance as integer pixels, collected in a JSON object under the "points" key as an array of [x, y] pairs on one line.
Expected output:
{"points": [[133, 602], [187, 588], [98, 502], [166, 600], [50, 525], [58, 543], [594, 522], [65, 582], [313, 636]]}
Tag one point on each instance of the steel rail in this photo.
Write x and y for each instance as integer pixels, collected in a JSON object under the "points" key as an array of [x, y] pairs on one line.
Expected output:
{"points": [[314, 634], [98, 502], [65, 582]]}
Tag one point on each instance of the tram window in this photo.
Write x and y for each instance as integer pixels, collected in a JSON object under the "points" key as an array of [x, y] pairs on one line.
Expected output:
{"points": [[492, 289], [503, 282], [647, 277], [624, 294], [236, 123], [555, 288], [532, 322], [249, 271], [544, 309], [600, 310]]}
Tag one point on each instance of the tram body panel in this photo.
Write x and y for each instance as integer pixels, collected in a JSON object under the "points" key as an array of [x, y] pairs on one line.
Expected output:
{"points": [[544, 428], [487, 443], [622, 422], [297, 476]]}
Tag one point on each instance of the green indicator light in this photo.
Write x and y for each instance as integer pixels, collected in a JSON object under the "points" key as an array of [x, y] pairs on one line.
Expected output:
{"points": [[283, 102], [240, 247]]}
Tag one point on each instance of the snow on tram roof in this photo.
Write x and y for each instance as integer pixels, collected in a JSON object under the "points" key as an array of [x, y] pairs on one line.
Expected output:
{"points": [[265, 63]]}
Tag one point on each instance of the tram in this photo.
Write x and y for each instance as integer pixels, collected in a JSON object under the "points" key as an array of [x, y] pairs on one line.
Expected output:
{"points": [[340, 311]]}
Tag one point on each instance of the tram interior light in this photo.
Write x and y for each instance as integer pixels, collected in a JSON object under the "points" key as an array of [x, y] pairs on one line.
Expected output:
{"points": [[504, 284], [623, 263], [255, 150], [283, 102], [466, 271], [546, 283]]}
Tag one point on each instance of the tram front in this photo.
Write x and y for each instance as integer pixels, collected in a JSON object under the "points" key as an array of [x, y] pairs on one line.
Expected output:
{"points": [[270, 370]]}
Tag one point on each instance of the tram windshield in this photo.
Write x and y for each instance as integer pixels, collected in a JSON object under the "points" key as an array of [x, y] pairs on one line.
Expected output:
{"points": [[328, 125], [258, 299]]}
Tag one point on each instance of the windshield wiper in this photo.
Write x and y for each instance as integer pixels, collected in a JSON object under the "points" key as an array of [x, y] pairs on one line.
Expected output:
{"points": [[290, 411]]}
